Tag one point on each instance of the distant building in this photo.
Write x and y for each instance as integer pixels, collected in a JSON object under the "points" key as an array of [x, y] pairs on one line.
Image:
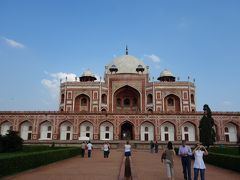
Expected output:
{"points": [[125, 104]]}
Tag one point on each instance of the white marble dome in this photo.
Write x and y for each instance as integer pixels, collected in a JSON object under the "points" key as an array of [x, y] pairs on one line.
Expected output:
{"points": [[127, 64], [88, 73], [166, 73]]}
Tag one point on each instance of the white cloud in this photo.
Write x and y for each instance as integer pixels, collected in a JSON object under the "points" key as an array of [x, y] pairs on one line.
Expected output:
{"points": [[13, 43], [52, 84], [152, 57], [62, 76]]}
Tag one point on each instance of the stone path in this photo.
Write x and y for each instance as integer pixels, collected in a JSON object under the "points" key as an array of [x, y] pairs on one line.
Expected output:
{"points": [[149, 166], [146, 166]]}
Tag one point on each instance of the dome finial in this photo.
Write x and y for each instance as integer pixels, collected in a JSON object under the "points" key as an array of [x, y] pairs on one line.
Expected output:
{"points": [[126, 50]]}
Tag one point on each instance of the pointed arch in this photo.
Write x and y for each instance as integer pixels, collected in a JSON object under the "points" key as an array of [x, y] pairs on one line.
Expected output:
{"points": [[5, 126], [104, 110], [147, 131], [86, 129], [82, 103], [231, 132], [126, 98], [172, 103], [149, 99], [168, 131], [104, 99], [106, 130], [46, 129], [62, 98], [26, 130], [66, 130], [127, 130], [188, 130]]}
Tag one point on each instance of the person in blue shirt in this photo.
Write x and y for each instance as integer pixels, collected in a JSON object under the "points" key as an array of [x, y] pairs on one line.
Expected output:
{"points": [[185, 152]]}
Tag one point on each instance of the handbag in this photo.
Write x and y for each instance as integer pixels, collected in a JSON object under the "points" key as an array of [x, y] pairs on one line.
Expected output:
{"points": [[163, 157]]}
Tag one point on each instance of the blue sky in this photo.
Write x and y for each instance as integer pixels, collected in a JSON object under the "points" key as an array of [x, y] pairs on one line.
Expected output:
{"points": [[42, 41]]}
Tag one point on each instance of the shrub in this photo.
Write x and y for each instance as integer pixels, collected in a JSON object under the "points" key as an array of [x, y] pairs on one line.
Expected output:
{"points": [[224, 160], [11, 142], [21, 162], [225, 150]]}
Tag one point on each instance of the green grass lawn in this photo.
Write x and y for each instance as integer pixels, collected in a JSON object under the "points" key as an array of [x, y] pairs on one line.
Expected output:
{"points": [[29, 149]]}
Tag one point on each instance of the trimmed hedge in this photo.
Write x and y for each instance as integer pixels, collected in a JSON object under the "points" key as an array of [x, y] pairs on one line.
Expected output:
{"points": [[223, 160], [225, 150], [21, 162]]}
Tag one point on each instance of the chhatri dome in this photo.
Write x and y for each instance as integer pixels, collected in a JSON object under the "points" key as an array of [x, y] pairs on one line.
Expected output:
{"points": [[87, 76], [126, 64], [166, 75]]}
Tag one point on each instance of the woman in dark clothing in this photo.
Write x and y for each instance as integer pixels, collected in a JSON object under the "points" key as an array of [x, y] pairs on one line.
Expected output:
{"points": [[156, 147]]}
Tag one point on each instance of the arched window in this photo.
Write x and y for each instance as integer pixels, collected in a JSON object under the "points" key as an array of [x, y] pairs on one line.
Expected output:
{"points": [[83, 102], [166, 129], [185, 129], [149, 99], [30, 128], [146, 129], [118, 102], [87, 128], [62, 98], [192, 99], [49, 128], [104, 98], [170, 102], [126, 102], [150, 110], [69, 95], [226, 129], [134, 101], [107, 128]]}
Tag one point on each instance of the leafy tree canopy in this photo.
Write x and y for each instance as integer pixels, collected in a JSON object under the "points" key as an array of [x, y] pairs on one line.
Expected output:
{"points": [[10, 142], [206, 127]]}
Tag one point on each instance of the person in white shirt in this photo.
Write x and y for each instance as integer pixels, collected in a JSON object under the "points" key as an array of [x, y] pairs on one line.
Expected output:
{"points": [[89, 147], [127, 149], [199, 165], [106, 149]]}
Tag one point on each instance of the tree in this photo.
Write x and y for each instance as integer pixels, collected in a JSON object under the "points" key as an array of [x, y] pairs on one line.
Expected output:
{"points": [[10, 142], [206, 127]]}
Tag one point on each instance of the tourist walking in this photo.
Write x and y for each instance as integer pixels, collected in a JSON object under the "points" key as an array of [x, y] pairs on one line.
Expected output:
{"points": [[127, 149], [156, 147], [185, 152], [83, 147], [199, 165], [89, 147], [151, 146], [169, 161], [106, 150]]}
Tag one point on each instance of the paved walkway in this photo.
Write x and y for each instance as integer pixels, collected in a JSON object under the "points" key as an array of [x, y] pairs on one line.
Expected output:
{"points": [[146, 166], [149, 166]]}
